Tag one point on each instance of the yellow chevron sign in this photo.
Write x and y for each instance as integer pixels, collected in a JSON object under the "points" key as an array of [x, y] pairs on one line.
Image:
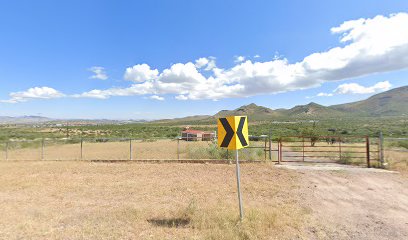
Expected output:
{"points": [[233, 132]]}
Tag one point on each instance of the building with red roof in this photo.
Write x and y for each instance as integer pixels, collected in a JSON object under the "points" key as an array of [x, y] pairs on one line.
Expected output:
{"points": [[196, 135]]}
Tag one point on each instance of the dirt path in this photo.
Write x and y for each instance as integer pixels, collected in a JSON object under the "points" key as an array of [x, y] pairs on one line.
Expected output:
{"points": [[356, 204]]}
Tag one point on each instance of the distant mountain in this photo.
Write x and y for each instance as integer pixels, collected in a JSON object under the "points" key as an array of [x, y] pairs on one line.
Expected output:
{"points": [[23, 120], [185, 119], [45, 120], [390, 103], [311, 110], [256, 112]]}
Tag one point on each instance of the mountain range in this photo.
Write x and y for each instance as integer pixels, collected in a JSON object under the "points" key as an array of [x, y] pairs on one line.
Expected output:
{"points": [[390, 103]]}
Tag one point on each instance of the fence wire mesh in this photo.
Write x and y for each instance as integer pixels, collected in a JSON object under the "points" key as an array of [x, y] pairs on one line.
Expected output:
{"points": [[345, 150], [24, 150], [396, 152], [128, 149], [62, 149], [3, 154]]}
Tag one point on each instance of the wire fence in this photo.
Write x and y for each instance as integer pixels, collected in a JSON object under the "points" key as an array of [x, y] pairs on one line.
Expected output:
{"points": [[129, 149], [396, 152], [392, 151]]}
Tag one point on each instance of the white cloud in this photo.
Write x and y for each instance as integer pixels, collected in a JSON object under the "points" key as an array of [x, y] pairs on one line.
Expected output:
{"points": [[33, 93], [355, 88], [369, 46], [201, 62], [208, 63], [325, 94], [257, 56], [140, 73], [99, 73], [134, 89], [239, 59], [181, 97], [155, 97]]}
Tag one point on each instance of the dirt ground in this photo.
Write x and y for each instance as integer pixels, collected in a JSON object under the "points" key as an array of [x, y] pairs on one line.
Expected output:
{"points": [[84, 200], [356, 204]]}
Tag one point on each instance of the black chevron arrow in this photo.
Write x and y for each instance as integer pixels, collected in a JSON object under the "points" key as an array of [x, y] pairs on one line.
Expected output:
{"points": [[229, 134], [239, 132]]}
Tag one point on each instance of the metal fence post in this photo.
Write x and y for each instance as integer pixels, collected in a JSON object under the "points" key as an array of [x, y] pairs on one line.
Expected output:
{"points": [[265, 147], [81, 147], [42, 149], [7, 147], [279, 151], [340, 157], [270, 145], [178, 147], [368, 151], [381, 149], [130, 149]]}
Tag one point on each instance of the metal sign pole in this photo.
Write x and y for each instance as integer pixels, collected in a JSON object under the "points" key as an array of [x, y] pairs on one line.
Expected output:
{"points": [[130, 149], [241, 212], [233, 135]]}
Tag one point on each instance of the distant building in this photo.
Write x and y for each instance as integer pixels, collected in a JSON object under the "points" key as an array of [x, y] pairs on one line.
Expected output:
{"points": [[196, 135]]}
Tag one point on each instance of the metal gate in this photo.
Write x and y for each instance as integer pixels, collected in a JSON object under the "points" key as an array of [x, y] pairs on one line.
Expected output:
{"points": [[355, 150]]}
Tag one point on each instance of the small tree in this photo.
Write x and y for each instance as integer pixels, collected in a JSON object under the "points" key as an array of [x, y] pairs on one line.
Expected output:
{"points": [[312, 133]]}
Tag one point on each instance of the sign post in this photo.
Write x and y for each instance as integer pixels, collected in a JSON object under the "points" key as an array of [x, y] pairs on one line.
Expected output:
{"points": [[241, 210], [233, 135]]}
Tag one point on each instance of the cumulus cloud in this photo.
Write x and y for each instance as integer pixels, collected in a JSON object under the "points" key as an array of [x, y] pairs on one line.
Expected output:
{"points": [[368, 46], [239, 59], [99, 73], [201, 62], [206, 63], [355, 88], [33, 93], [140, 73], [155, 97]]}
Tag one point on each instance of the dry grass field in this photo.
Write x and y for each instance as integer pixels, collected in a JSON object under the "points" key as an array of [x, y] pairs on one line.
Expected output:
{"points": [[397, 160], [79, 200], [88, 200]]}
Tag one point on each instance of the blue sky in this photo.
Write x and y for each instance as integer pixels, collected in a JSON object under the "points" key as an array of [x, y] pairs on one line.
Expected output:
{"points": [[108, 59]]}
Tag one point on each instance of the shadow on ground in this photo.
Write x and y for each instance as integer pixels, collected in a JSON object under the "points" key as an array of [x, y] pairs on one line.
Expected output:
{"points": [[170, 222]]}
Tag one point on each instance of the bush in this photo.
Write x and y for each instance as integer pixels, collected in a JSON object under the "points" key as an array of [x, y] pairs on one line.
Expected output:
{"points": [[210, 152]]}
